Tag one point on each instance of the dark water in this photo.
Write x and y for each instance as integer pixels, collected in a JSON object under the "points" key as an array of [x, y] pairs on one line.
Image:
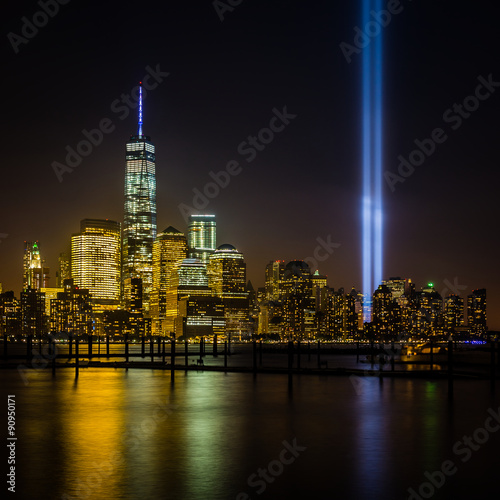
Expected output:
{"points": [[133, 435]]}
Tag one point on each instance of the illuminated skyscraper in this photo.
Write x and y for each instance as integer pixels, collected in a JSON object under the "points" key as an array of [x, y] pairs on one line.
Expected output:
{"points": [[476, 312], [453, 312], [34, 274], [139, 226], [227, 272], [227, 278], [429, 317], [397, 286], [341, 315], [64, 269], [95, 261], [386, 313], [192, 276], [169, 250], [50, 294], [201, 236], [319, 291], [275, 271], [137, 323], [297, 301], [33, 318], [195, 309], [10, 317]]}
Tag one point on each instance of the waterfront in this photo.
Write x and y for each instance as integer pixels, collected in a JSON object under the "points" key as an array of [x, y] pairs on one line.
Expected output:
{"points": [[133, 434], [468, 360]]}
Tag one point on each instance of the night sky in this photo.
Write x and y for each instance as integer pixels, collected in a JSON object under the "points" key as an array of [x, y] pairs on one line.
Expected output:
{"points": [[225, 78]]}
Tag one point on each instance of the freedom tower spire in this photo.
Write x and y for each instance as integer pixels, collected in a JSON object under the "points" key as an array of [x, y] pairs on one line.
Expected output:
{"points": [[139, 225], [139, 128]]}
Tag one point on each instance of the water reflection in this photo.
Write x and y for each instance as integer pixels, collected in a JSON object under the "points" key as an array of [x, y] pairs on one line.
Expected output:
{"points": [[93, 423], [132, 435], [372, 435]]}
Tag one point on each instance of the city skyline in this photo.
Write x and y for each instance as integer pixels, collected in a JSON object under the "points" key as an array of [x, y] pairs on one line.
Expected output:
{"points": [[249, 249], [193, 298], [97, 235], [302, 186]]}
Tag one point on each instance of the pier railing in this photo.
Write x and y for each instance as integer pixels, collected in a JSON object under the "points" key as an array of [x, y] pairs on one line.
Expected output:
{"points": [[434, 359]]}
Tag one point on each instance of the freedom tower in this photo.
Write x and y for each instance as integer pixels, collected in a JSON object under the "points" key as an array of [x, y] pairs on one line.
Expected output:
{"points": [[139, 225]]}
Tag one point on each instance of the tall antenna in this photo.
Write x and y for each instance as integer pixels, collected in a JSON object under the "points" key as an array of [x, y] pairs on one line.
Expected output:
{"points": [[140, 109]]}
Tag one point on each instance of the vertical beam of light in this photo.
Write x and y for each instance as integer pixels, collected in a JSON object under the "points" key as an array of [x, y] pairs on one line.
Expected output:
{"points": [[367, 198], [372, 210], [378, 159]]}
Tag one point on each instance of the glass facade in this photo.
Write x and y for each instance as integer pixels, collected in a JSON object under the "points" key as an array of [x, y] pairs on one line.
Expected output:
{"points": [[169, 250], [95, 261], [227, 272], [192, 274], [227, 279], [201, 236], [139, 226]]}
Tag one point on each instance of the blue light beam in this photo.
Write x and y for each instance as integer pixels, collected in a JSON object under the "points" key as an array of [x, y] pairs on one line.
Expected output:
{"points": [[372, 202]]}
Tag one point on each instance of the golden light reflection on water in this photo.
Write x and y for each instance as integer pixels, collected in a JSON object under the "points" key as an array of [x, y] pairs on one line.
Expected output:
{"points": [[122, 431], [94, 421], [133, 435]]}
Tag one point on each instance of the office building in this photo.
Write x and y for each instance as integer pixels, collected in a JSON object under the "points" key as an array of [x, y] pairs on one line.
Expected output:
{"points": [[453, 313], [201, 237], [386, 318], [297, 299], [10, 314], [192, 308], [33, 318], [35, 274], [275, 271], [71, 312], [319, 291], [64, 272], [95, 262], [139, 226], [476, 312], [169, 250], [397, 286], [226, 272]]}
